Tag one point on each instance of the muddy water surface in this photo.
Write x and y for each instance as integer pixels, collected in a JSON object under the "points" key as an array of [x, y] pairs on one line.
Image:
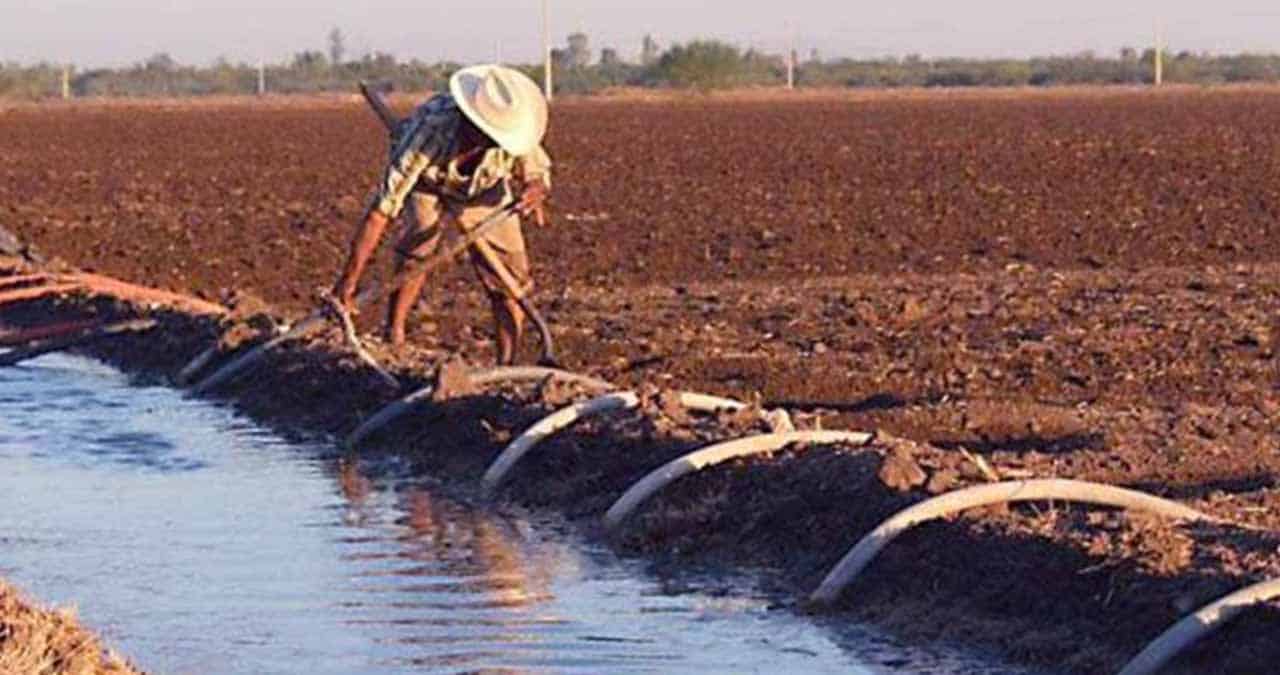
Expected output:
{"points": [[197, 542]]}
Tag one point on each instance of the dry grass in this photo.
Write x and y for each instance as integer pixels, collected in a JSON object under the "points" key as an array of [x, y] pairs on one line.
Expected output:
{"points": [[37, 641]]}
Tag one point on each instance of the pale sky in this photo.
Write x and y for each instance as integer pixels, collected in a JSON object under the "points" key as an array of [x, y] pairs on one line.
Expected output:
{"points": [[117, 32]]}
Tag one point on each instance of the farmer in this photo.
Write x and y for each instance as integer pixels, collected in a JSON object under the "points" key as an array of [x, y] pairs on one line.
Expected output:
{"points": [[458, 157]]}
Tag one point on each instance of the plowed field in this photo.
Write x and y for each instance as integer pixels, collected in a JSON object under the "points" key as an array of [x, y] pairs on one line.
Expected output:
{"points": [[1081, 284]]}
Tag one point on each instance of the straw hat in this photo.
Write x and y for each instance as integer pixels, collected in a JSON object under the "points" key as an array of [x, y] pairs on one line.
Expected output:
{"points": [[503, 103]]}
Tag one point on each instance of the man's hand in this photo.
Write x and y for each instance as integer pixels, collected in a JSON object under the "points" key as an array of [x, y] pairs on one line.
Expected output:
{"points": [[344, 291], [362, 248], [532, 200]]}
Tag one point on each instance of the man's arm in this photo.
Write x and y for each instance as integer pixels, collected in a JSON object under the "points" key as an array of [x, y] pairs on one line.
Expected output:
{"points": [[533, 172], [409, 159]]}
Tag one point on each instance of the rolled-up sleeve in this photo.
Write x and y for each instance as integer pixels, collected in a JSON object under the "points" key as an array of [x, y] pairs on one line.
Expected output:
{"points": [[418, 145], [534, 166]]}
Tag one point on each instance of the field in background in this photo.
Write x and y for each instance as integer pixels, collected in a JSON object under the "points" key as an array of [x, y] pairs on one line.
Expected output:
{"points": [[934, 183]]}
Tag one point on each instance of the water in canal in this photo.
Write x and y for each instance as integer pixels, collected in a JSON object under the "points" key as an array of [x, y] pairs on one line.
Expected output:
{"points": [[197, 542]]}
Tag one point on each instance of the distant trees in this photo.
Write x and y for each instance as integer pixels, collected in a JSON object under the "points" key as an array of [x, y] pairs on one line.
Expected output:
{"points": [[42, 80], [910, 71], [702, 64], [309, 61], [699, 65], [575, 74], [306, 72], [978, 73], [710, 64], [160, 62], [1248, 68]]}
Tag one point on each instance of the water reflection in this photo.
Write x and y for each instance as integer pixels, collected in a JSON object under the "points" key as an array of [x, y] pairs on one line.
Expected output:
{"points": [[457, 579]]}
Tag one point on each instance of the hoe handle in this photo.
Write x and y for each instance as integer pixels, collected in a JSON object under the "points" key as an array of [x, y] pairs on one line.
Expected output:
{"points": [[319, 318], [515, 292], [380, 108]]}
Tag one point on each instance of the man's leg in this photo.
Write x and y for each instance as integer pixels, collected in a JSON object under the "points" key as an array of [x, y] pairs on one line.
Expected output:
{"points": [[420, 238], [507, 242], [508, 322]]}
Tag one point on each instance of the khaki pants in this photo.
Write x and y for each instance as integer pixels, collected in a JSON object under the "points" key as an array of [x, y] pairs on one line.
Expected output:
{"points": [[429, 221]]}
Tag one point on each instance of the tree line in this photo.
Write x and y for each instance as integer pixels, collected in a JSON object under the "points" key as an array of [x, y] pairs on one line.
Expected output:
{"points": [[700, 65]]}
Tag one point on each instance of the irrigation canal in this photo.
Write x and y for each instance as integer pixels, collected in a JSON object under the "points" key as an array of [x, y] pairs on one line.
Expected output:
{"points": [[197, 541]]}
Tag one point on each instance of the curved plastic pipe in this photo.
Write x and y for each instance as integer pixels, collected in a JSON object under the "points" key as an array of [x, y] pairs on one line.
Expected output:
{"points": [[709, 456], [1195, 626], [566, 417], [97, 284], [197, 364], [245, 360], [65, 341], [866, 550], [145, 295], [15, 280], [399, 407], [21, 336], [27, 293], [387, 414]]}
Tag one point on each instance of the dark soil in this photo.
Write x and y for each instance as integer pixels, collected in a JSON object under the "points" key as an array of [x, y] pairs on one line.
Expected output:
{"points": [[1079, 286]]}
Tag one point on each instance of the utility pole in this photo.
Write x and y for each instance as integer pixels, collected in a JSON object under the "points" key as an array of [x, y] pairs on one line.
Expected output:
{"points": [[791, 60], [547, 86], [66, 82], [262, 77]]}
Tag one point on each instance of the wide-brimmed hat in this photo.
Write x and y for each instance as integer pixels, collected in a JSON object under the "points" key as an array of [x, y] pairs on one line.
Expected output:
{"points": [[503, 103]]}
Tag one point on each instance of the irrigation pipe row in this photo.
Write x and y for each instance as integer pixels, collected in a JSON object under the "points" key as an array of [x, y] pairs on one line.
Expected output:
{"points": [[677, 468], [846, 571], [503, 374], [570, 415], [1183, 634], [951, 503], [27, 287]]}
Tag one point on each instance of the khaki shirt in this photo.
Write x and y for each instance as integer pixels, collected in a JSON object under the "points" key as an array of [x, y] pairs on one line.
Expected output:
{"points": [[423, 156]]}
